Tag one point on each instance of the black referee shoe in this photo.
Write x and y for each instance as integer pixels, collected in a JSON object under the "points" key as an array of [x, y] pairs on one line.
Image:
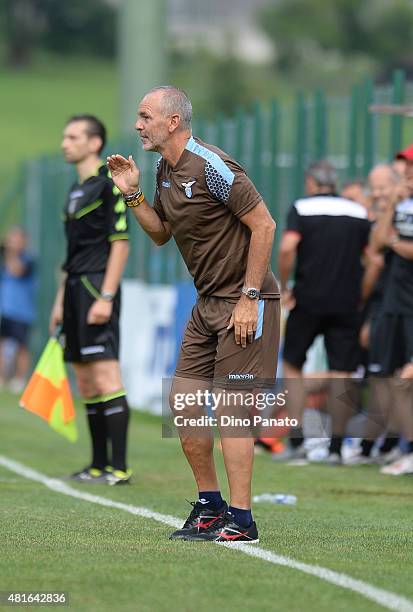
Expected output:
{"points": [[226, 530], [200, 519]]}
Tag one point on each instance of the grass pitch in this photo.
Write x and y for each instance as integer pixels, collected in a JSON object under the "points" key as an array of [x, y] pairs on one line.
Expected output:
{"points": [[351, 520]]}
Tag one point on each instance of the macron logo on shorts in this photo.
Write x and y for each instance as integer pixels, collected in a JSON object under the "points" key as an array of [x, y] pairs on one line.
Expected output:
{"points": [[92, 350], [241, 376], [114, 410]]}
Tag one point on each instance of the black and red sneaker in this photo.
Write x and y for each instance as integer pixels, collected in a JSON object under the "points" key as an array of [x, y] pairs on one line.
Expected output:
{"points": [[201, 518], [226, 530]]}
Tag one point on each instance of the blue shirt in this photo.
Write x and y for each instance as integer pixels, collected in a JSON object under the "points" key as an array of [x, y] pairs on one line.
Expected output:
{"points": [[17, 293]]}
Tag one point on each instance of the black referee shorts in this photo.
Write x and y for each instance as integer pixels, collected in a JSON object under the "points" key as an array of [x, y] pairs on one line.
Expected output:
{"points": [[83, 342], [341, 338], [391, 343]]}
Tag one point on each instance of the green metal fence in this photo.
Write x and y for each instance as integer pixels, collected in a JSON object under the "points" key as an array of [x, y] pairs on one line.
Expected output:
{"points": [[274, 142]]}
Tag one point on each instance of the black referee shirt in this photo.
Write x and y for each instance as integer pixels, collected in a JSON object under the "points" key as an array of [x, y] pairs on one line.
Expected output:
{"points": [[94, 216], [334, 232]]}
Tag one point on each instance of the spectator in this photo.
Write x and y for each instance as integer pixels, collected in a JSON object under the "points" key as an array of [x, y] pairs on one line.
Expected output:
{"points": [[402, 160], [385, 184], [382, 181], [17, 307], [392, 344], [324, 238]]}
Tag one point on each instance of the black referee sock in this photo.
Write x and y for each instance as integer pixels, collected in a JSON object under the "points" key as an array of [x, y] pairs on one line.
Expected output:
{"points": [[116, 414], [366, 446], [335, 445], [391, 440], [296, 437], [97, 429]]}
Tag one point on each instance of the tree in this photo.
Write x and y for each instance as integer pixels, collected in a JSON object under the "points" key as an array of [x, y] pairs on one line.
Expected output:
{"points": [[21, 24], [378, 29], [75, 27], [79, 27]]}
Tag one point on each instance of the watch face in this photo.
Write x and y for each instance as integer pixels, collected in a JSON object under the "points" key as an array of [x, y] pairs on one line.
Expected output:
{"points": [[252, 293]]}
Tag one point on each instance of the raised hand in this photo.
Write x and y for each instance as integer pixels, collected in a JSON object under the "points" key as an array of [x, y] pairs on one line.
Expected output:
{"points": [[125, 173]]}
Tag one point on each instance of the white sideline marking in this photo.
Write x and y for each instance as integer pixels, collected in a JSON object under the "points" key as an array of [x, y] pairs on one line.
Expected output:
{"points": [[386, 599]]}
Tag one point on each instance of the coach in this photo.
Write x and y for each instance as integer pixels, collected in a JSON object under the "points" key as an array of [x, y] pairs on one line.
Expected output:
{"points": [[225, 233]]}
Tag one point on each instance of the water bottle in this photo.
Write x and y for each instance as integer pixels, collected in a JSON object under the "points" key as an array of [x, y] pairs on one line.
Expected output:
{"points": [[275, 498]]}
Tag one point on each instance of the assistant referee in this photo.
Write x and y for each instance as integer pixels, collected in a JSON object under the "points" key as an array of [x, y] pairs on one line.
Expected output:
{"points": [[88, 300]]}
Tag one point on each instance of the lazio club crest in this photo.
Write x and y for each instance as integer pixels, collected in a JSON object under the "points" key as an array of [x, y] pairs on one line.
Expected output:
{"points": [[188, 188]]}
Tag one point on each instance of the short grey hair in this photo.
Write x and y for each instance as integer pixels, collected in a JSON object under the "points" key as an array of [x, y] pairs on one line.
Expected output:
{"points": [[324, 174], [175, 100]]}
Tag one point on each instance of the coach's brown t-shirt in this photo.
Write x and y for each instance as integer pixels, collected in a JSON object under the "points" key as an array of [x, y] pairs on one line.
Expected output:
{"points": [[202, 198]]}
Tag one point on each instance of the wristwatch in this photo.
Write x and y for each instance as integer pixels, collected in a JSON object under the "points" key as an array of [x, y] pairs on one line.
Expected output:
{"points": [[107, 296], [251, 292]]}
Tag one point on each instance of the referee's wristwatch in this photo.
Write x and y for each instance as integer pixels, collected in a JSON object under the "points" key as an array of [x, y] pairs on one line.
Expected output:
{"points": [[106, 296], [251, 292]]}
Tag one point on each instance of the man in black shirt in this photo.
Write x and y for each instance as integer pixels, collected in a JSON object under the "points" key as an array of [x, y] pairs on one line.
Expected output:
{"points": [[88, 300], [324, 238], [385, 185], [392, 350]]}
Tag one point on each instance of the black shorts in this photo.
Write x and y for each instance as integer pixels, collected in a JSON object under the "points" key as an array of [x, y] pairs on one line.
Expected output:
{"points": [[16, 330], [341, 338], [84, 342], [391, 343]]}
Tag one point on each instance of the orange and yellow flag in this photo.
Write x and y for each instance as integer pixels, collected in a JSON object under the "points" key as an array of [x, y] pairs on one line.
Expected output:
{"points": [[48, 392]]}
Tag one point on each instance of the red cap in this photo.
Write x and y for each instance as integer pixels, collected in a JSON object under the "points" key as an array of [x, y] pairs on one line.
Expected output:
{"points": [[405, 154]]}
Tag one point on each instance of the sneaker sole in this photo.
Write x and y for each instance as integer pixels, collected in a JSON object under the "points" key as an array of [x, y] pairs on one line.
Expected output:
{"points": [[82, 481], [119, 483], [177, 537], [242, 542], [236, 542], [397, 473]]}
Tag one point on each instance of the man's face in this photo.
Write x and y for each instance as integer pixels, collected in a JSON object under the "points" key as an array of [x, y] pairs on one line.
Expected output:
{"points": [[15, 241], [381, 184], [77, 144], [151, 124]]}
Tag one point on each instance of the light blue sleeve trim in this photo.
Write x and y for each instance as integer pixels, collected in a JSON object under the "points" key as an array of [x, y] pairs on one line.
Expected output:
{"points": [[214, 159], [260, 322]]}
